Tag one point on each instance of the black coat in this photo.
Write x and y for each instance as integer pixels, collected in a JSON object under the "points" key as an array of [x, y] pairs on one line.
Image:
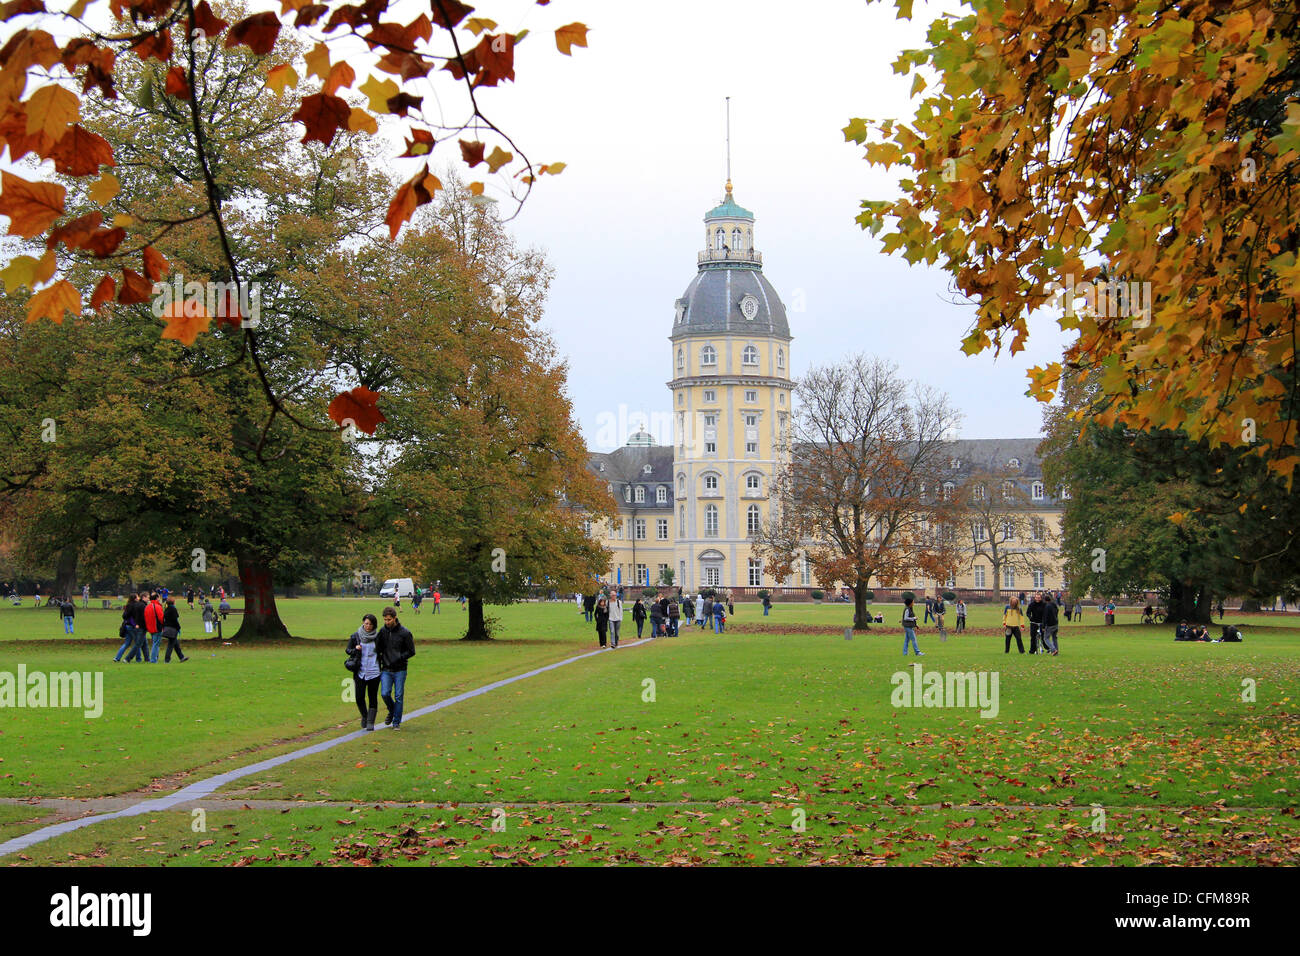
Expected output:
{"points": [[395, 646]]}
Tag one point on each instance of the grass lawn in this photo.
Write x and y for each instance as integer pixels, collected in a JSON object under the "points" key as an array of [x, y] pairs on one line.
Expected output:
{"points": [[748, 737]]}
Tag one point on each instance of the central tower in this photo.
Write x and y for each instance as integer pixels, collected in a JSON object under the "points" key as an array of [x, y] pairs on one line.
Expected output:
{"points": [[731, 399]]}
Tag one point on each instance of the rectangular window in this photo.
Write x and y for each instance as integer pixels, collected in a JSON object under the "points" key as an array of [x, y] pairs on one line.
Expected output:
{"points": [[642, 574], [586, 528], [805, 574], [952, 580], [979, 576], [663, 572], [979, 532], [1038, 530], [710, 395], [1008, 531], [755, 574], [661, 529], [640, 529], [751, 420], [710, 447], [751, 448], [751, 395], [1008, 578], [1039, 578], [712, 578], [710, 420]]}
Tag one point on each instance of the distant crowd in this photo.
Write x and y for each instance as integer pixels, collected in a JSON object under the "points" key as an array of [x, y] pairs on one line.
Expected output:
{"points": [[665, 614]]}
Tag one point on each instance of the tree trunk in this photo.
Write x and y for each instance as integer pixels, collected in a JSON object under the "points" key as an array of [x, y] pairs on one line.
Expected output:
{"points": [[861, 616], [477, 626], [260, 620], [329, 585], [1188, 603], [65, 575]]}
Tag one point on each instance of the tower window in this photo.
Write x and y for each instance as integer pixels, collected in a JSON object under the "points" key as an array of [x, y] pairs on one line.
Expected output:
{"points": [[710, 395], [711, 521], [711, 484], [720, 239], [751, 395], [681, 486], [750, 355], [751, 419], [780, 358], [681, 359], [737, 242], [708, 355]]}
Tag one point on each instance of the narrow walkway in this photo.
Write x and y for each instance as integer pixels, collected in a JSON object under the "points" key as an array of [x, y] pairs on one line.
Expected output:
{"points": [[205, 788]]}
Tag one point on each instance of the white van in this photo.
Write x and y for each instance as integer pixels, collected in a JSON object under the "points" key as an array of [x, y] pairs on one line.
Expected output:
{"points": [[397, 587]]}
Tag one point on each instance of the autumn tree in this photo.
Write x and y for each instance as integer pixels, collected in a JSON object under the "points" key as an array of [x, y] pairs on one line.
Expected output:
{"points": [[1158, 510], [1090, 155], [482, 477], [859, 493], [1002, 526]]}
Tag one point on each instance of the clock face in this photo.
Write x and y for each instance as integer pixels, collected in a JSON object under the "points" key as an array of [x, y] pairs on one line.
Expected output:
{"points": [[749, 307]]}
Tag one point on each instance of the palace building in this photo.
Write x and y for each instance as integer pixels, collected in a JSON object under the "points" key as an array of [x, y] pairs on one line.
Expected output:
{"points": [[687, 512]]}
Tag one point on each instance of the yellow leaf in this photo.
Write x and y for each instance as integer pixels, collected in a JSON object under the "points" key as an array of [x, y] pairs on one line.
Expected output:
{"points": [[379, 92], [477, 25], [20, 272], [318, 61], [278, 77], [498, 158], [103, 189], [51, 110], [1178, 517], [569, 36], [78, 9], [361, 121], [44, 270], [555, 168], [125, 220], [476, 189], [185, 320], [51, 303]]}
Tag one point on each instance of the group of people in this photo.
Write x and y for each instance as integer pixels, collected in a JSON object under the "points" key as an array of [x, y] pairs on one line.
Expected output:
{"points": [[148, 618], [1199, 632], [377, 658], [1043, 616], [665, 615]]}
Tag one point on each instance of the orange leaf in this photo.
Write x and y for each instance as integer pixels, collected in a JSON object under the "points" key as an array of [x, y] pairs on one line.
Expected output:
{"points": [[52, 302], [177, 85], [157, 45], [357, 408], [76, 233], [155, 264], [135, 288], [323, 115], [420, 143], [496, 59], [105, 241], [471, 152], [185, 320], [415, 192], [258, 33], [31, 207], [340, 75], [569, 36], [104, 292], [448, 13], [81, 152]]}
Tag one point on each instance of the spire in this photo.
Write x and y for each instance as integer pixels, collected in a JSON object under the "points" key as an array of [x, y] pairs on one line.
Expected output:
{"points": [[728, 147]]}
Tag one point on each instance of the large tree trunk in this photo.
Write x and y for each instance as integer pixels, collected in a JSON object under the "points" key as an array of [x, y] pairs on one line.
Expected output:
{"points": [[477, 626], [329, 585], [1187, 603], [65, 574], [261, 620], [861, 616]]}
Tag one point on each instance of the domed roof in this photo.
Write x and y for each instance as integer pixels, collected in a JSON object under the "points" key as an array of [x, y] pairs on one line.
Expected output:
{"points": [[712, 303], [728, 209], [641, 437]]}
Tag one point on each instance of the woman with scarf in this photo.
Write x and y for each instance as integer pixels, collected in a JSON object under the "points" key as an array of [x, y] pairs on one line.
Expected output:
{"points": [[366, 677]]}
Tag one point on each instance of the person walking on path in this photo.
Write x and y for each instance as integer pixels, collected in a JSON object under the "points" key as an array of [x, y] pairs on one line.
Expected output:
{"points": [[365, 679], [137, 651], [396, 646], [638, 617], [127, 630], [909, 628], [1049, 627], [961, 616], [767, 604], [153, 623], [719, 617], [1012, 622], [68, 611], [171, 631], [674, 616], [699, 609], [615, 619], [929, 611], [708, 612], [601, 615], [1035, 614], [588, 606]]}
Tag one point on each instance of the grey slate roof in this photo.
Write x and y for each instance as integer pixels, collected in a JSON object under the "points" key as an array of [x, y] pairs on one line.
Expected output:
{"points": [[712, 304], [626, 465]]}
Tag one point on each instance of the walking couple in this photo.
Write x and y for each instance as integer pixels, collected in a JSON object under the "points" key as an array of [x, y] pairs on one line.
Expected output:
{"points": [[380, 655]]}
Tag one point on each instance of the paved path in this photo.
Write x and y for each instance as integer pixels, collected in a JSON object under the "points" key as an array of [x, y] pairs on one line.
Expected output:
{"points": [[203, 789]]}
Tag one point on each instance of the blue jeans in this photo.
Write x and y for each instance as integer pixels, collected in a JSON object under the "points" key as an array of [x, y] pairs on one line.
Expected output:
{"points": [[392, 688], [127, 642], [157, 639], [67, 625], [613, 631], [137, 646], [910, 635], [765, 610]]}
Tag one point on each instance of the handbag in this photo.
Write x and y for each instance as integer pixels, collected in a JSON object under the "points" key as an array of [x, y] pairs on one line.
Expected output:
{"points": [[353, 661]]}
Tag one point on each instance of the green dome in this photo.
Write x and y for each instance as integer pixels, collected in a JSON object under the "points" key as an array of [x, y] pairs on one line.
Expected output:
{"points": [[728, 210]]}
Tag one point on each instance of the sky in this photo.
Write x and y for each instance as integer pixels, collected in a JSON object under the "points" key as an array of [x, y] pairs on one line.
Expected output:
{"points": [[639, 117]]}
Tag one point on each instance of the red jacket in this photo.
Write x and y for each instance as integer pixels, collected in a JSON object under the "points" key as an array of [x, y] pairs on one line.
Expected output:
{"points": [[153, 617]]}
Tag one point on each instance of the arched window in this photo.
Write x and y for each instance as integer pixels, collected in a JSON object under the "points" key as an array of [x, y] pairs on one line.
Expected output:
{"points": [[710, 484], [737, 242], [708, 355], [681, 486], [948, 487], [681, 359], [1008, 489], [753, 484], [780, 358], [719, 238], [640, 494], [711, 521], [661, 495], [752, 519], [681, 520], [1014, 463], [750, 355], [1036, 491]]}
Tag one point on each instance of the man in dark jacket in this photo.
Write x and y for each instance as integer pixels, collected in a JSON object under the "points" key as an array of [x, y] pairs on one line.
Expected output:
{"points": [[171, 630], [68, 611], [1035, 614], [395, 646], [141, 635], [1050, 626]]}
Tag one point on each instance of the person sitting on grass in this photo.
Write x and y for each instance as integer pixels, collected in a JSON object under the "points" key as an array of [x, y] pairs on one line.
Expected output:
{"points": [[1230, 635]]}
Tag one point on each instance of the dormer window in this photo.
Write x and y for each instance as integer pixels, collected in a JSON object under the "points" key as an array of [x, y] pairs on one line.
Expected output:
{"points": [[1036, 491], [640, 495], [646, 469], [661, 495], [1014, 463], [627, 493]]}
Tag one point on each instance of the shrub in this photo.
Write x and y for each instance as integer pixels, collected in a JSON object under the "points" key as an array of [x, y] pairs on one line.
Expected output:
{"points": [[764, 593], [949, 595], [908, 596], [871, 595], [818, 594], [649, 593]]}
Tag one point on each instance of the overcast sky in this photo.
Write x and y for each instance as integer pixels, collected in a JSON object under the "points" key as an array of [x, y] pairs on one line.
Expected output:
{"points": [[639, 117]]}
